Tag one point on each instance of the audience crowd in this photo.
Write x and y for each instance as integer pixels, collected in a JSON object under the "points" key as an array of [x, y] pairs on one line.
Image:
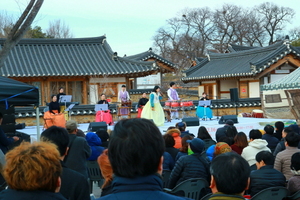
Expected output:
{"points": [[134, 157]]}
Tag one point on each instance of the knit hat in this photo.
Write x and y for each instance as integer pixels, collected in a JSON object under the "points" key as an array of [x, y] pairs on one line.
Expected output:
{"points": [[180, 124], [222, 147], [71, 125], [197, 145]]}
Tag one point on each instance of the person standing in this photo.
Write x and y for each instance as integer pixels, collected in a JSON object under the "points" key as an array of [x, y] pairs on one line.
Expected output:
{"points": [[124, 98], [204, 111], [142, 102], [173, 96], [153, 109], [61, 92]]}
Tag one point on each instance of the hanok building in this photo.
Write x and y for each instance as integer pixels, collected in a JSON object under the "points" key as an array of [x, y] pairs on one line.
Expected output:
{"points": [[245, 68], [84, 67]]}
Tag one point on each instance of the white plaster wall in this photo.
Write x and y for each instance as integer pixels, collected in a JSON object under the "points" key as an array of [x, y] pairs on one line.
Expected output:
{"points": [[254, 89], [225, 85], [93, 94]]}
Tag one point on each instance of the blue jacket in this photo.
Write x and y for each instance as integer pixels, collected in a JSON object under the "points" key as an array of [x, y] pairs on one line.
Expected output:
{"points": [[264, 178], [139, 188], [94, 142], [168, 163], [186, 167], [179, 154], [272, 141], [10, 194]]}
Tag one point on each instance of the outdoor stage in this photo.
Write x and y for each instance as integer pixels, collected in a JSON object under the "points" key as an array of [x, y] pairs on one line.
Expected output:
{"points": [[245, 124]]}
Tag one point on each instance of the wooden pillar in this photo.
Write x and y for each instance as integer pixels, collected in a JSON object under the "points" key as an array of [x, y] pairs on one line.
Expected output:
{"points": [[85, 100]]}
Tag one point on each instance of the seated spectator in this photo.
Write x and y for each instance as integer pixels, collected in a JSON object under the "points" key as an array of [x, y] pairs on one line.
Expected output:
{"points": [[283, 158], [281, 145], [191, 166], [104, 136], [107, 173], [279, 126], [95, 143], [205, 136], [221, 132], [170, 142], [256, 145], [220, 148], [168, 162], [80, 133], [183, 151], [230, 133], [210, 152], [240, 142], [293, 184], [74, 186], [175, 133], [270, 138], [135, 153], [265, 176], [32, 171], [230, 176], [182, 126]]}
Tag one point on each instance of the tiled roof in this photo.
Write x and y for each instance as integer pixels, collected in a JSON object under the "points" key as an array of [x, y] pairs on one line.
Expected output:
{"points": [[69, 57], [245, 63], [291, 81], [149, 54], [235, 48]]}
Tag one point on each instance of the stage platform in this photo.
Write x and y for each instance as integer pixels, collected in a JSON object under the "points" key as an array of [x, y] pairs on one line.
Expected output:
{"points": [[244, 124]]}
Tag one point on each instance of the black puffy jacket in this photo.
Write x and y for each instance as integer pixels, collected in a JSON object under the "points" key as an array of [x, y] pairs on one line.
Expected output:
{"points": [[186, 167], [265, 177]]}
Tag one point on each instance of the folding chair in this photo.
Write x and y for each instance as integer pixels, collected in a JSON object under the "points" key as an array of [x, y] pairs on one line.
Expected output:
{"points": [[274, 193], [94, 174], [206, 197], [294, 196], [193, 188]]}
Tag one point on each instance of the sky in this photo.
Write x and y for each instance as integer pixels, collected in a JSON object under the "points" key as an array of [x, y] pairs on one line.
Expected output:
{"points": [[129, 25]]}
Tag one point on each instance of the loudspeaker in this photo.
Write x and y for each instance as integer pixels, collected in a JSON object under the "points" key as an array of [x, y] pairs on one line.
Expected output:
{"points": [[224, 118], [234, 96], [95, 126], [191, 121]]}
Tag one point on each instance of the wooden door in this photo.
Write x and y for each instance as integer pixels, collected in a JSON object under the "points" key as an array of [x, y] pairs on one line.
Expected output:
{"points": [[244, 89]]}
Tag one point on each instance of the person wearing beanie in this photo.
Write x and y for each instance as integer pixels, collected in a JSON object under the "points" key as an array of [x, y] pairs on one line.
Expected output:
{"points": [[293, 184], [190, 166], [182, 126], [175, 133], [221, 147]]}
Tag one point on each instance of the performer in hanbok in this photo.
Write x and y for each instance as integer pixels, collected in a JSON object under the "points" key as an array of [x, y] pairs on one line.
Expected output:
{"points": [[142, 102], [204, 112], [124, 98], [173, 96], [53, 117], [152, 109], [62, 106], [104, 115]]}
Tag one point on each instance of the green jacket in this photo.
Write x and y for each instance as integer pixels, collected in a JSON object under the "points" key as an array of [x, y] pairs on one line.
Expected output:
{"points": [[222, 196]]}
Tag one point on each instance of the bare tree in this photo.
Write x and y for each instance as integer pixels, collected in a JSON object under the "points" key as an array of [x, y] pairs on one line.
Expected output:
{"points": [[275, 18], [20, 28], [59, 29], [6, 24]]}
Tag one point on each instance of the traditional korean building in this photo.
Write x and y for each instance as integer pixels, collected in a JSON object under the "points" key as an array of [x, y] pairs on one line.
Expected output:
{"points": [[245, 68], [84, 67]]}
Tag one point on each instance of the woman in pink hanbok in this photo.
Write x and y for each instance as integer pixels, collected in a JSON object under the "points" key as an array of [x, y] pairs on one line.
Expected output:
{"points": [[104, 115]]}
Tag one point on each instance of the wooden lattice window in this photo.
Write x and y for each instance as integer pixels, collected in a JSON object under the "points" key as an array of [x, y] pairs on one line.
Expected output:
{"points": [[273, 98]]}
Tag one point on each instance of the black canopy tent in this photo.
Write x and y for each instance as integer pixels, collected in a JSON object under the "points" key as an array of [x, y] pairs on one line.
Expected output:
{"points": [[16, 93]]}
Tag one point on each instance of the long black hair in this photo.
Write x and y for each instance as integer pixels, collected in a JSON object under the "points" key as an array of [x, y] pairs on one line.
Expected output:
{"points": [[155, 88]]}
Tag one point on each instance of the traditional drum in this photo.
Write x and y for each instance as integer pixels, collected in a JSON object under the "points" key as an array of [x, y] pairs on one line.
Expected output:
{"points": [[257, 114], [175, 104]]}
